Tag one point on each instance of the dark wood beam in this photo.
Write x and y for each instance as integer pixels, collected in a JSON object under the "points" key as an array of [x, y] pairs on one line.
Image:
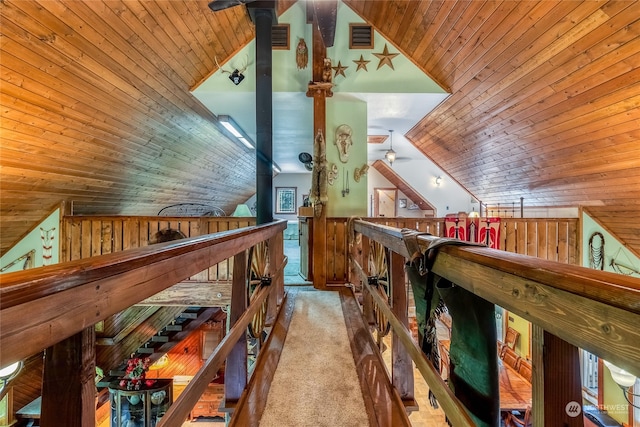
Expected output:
{"points": [[68, 385]]}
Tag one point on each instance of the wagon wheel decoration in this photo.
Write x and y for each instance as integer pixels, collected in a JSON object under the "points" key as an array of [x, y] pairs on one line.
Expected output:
{"points": [[379, 272], [257, 270]]}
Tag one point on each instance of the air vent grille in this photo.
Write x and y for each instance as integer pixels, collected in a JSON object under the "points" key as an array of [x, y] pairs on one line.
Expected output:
{"points": [[280, 37], [360, 36]]}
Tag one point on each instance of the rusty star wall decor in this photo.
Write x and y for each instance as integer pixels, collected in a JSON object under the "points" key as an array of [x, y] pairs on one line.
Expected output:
{"points": [[385, 57], [339, 69], [362, 63]]}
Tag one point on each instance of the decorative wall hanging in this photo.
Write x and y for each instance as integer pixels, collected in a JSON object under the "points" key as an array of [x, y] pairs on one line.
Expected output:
{"points": [[385, 57], [47, 237], [333, 173], [28, 261], [339, 70], [596, 251], [625, 267], [345, 183], [302, 54], [319, 195], [361, 63], [343, 141], [236, 75], [360, 172]]}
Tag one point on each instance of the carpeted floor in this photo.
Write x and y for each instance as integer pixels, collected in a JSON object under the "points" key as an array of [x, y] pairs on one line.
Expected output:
{"points": [[319, 386]]}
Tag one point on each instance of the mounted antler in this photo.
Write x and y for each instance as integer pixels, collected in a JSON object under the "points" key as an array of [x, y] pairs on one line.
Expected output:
{"points": [[236, 75]]}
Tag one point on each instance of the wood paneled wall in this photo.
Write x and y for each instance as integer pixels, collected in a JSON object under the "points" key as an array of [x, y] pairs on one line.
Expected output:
{"points": [[87, 236], [554, 239]]}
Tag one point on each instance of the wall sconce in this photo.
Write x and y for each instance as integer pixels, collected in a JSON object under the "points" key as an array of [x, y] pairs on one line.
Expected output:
{"points": [[623, 378], [390, 154], [438, 181], [229, 124]]}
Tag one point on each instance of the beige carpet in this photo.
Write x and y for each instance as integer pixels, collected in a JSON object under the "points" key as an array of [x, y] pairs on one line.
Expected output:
{"points": [[316, 383]]}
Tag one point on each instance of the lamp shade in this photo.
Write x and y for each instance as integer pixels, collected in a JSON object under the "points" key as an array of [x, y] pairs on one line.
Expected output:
{"points": [[620, 376], [242, 210]]}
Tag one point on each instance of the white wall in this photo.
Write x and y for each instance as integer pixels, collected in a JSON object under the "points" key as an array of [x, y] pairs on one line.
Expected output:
{"points": [[447, 198]]}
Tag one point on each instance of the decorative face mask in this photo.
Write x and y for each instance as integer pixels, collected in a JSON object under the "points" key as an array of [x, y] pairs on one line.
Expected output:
{"points": [[343, 142]]}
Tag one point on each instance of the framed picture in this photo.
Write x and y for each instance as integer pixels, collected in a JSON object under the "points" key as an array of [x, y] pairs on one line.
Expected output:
{"points": [[402, 203], [285, 200]]}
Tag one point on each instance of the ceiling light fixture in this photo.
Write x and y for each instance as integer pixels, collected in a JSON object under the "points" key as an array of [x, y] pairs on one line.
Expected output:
{"points": [[390, 154], [438, 180], [235, 130]]}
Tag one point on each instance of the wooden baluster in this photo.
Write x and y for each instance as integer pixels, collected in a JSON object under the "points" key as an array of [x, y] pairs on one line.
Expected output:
{"points": [[402, 366], [236, 365]]}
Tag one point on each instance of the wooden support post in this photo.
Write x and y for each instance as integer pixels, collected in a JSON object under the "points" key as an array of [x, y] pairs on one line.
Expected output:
{"points": [[68, 385], [319, 123], [401, 364], [236, 365]]}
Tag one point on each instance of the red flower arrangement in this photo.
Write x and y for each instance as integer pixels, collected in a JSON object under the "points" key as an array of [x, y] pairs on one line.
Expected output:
{"points": [[135, 373]]}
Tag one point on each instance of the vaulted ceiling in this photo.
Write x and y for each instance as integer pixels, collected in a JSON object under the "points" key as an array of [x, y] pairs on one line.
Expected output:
{"points": [[96, 108]]}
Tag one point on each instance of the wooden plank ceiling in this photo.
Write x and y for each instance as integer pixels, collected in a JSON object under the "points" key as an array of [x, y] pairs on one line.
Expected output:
{"points": [[96, 108]]}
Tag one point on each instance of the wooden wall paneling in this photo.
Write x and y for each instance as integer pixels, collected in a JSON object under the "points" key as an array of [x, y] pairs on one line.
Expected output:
{"points": [[563, 242], [342, 251], [521, 237], [531, 238], [117, 237], [542, 239], [332, 250], [552, 240], [74, 242], [511, 235], [106, 237], [573, 239]]}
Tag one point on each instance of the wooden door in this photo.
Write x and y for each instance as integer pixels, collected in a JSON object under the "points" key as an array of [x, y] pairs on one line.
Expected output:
{"points": [[385, 202]]}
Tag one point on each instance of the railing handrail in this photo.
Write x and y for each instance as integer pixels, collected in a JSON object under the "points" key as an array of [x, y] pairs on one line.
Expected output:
{"points": [[595, 310], [65, 298]]}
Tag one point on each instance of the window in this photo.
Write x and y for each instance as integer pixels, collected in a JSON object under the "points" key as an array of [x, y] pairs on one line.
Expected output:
{"points": [[286, 200]]}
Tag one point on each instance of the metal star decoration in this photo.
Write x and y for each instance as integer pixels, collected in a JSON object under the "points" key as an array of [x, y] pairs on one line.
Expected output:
{"points": [[362, 63], [339, 69], [385, 57]]}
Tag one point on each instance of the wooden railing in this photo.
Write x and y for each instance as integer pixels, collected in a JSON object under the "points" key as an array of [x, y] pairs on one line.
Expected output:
{"points": [[594, 310], [41, 307], [548, 238]]}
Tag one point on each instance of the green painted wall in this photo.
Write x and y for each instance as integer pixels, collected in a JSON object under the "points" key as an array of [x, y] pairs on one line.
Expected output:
{"points": [[33, 241], [353, 112]]}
